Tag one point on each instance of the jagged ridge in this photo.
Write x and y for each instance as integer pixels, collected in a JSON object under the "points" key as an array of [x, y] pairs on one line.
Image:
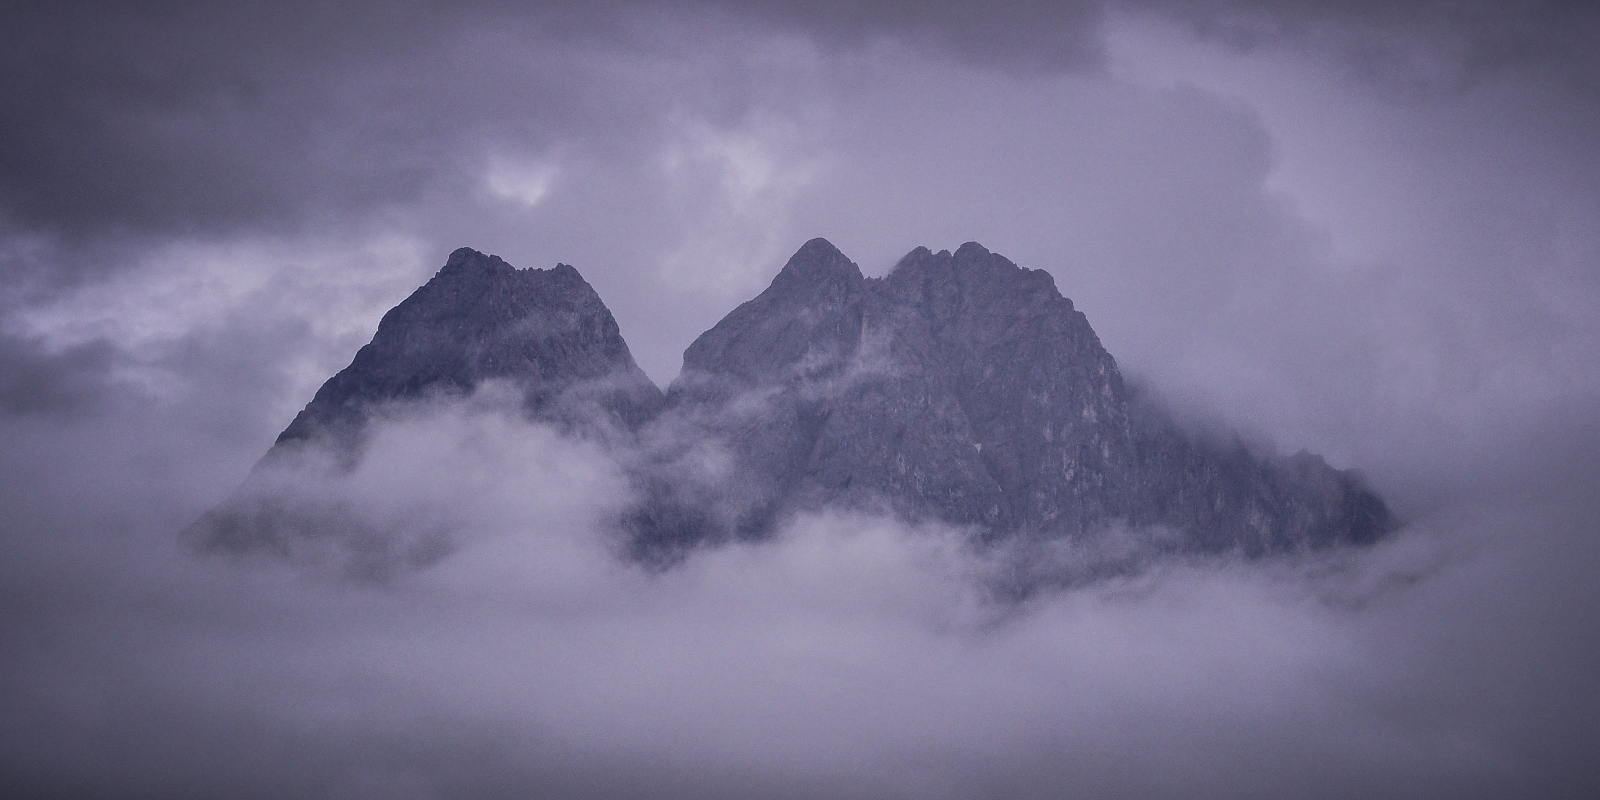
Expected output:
{"points": [[960, 388], [481, 319], [966, 389]]}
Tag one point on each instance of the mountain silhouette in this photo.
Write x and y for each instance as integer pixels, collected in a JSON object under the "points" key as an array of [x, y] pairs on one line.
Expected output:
{"points": [[964, 389], [959, 389]]}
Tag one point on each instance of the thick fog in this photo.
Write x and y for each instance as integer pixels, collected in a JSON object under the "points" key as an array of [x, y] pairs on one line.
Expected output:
{"points": [[1365, 230]]}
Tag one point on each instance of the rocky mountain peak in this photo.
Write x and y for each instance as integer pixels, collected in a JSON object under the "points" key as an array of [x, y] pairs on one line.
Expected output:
{"points": [[961, 388], [544, 333], [964, 388], [816, 264], [466, 258], [480, 319], [809, 318]]}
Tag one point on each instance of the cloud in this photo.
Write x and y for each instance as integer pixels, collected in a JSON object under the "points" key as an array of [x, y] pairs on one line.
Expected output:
{"points": [[525, 182], [852, 656], [1413, 47], [427, 479], [203, 118], [219, 123]]}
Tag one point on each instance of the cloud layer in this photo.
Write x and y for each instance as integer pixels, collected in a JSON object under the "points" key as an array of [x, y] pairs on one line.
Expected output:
{"points": [[851, 657]]}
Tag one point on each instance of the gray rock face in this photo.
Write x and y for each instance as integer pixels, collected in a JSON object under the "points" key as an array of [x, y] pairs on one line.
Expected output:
{"points": [[480, 319], [545, 333], [965, 389], [960, 388]]}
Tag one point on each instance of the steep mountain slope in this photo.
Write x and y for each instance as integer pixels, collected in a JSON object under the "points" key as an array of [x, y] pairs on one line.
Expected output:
{"points": [[960, 388], [545, 334], [965, 389], [481, 319]]}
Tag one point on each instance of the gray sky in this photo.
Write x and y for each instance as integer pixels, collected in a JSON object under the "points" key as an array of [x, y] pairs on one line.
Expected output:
{"points": [[1365, 229]]}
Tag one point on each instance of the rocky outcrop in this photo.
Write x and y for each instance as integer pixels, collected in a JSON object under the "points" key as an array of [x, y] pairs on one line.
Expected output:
{"points": [[543, 334], [960, 388], [965, 389], [480, 319]]}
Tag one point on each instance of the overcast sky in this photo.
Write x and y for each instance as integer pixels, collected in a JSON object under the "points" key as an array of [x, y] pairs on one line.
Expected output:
{"points": [[1365, 229]]}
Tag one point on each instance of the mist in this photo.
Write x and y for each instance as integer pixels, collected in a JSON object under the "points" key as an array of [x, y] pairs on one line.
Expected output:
{"points": [[852, 656]]}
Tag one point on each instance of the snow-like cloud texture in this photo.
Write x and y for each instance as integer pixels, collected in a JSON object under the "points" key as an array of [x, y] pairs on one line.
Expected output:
{"points": [[1363, 229], [851, 657]]}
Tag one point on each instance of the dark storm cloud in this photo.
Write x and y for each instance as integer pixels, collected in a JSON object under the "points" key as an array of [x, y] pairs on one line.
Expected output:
{"points": [[181, 118], [127, 126], [1420, 46], [1027, 35], [197, 117]]}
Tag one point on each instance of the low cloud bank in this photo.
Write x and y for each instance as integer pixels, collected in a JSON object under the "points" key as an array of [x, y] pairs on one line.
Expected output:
{"points": [[1365, 230], [853, 656]]}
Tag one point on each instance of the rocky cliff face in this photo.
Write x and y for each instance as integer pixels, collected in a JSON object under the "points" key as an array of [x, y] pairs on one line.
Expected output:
{"points": [[544, 334], [960, 388], [965, 389], [480, 319]]}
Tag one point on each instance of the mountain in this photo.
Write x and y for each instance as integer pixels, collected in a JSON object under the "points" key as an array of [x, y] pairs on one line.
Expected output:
{"points": [[964, 389], [543, 333], [480, 319], [960, 388]]}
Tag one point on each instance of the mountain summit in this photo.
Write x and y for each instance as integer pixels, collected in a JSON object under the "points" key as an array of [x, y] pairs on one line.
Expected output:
{"points": [[960, 388], [543, 334], [965, 389], [480, 319]]}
